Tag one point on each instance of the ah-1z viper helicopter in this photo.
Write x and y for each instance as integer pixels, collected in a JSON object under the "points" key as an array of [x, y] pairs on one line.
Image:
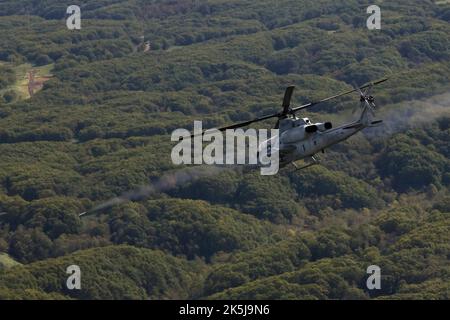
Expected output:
{"points": [[300, 139]]}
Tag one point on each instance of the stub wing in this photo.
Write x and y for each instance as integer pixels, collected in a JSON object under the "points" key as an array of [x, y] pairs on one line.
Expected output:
{"points": [[287, 149]]}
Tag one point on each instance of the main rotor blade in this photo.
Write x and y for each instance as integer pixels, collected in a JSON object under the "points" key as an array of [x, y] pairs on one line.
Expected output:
{"points": [[277, 124], [361, 94], [287, 99], [337, 96], [368, 91], [241, 124]]}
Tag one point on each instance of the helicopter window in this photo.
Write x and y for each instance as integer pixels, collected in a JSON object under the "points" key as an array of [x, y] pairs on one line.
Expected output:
{"points": [[304, 148], [299, 123]]}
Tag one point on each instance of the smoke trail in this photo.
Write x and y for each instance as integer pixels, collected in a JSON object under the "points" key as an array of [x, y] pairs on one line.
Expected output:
{"points": [[396, 118], [411, 114], [166, 182]]}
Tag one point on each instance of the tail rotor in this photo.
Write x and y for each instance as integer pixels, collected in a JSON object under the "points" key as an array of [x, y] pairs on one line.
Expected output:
{"points": [[366, 99]]}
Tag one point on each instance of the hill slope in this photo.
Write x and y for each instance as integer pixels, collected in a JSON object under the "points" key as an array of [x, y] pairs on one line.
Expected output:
{"points": [[101, 126]]}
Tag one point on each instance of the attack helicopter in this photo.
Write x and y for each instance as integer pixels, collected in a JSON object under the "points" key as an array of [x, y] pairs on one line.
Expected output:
{"points": [[301, 139]]}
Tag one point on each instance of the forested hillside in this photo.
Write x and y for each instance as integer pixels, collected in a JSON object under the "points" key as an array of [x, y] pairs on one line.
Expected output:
{"points": [[100, 126]]}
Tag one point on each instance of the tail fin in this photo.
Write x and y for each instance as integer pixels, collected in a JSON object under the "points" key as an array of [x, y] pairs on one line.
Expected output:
{"points": [[367, 114], [367, 117]]}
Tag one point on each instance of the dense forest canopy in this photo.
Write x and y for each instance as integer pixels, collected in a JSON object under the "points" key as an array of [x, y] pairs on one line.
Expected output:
{"points": [[100, 126]]}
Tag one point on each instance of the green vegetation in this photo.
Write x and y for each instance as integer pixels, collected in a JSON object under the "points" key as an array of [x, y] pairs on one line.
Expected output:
{"points": [[6, 261], [101, 126], [119, 272]]}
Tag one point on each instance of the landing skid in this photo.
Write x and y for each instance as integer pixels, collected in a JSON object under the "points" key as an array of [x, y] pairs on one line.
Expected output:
{"points": [[315, 161]]}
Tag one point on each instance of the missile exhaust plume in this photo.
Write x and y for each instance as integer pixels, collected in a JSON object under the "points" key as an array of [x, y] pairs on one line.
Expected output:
{"points": [[165, 183]]}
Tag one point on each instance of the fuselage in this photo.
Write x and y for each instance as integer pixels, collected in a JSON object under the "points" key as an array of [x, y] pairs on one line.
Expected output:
{"points": [[315, 143], [296, 143]]}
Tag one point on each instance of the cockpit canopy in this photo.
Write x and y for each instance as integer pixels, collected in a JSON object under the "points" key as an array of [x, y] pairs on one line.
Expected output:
{"points": [[289, 123], [302, 122]]}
